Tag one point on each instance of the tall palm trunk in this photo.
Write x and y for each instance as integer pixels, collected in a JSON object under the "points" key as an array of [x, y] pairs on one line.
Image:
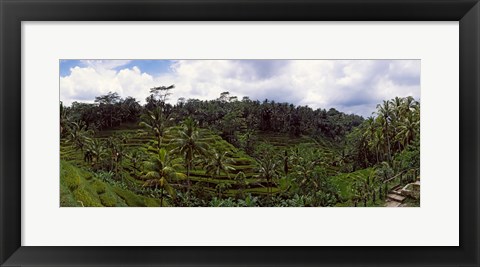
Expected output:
{"points": [[188, 177], [159, 138], [388, 142]]}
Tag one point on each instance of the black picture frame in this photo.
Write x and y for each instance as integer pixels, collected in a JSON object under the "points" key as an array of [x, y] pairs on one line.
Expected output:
{"points": [[13, 12]]}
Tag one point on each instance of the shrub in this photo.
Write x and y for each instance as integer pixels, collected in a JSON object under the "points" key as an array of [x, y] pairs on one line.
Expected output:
{"points": [[69, 176]]}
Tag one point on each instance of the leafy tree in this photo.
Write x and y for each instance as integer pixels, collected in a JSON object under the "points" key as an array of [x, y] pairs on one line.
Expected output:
{"points": [[131, 109], [162, 93], [156, 122], [384, 112], [247, 141], [96, 152], [78, 134], [108, 110], [241, 182], [268, 171], [343, 144], [108, 99], [409, 128], [160, 170], [136, 157], [64, 119], [218, 163], [188, 145], [365, 185]]}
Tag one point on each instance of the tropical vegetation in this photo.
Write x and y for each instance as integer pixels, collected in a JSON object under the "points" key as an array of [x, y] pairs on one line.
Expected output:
{"points": [[230, 152]]}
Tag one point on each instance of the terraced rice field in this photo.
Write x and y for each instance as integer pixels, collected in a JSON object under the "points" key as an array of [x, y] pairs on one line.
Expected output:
{"points": [[136, 138]]}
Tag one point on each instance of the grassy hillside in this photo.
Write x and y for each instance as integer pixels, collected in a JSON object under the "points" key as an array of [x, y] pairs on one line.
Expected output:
{"points": [[79, 187]]}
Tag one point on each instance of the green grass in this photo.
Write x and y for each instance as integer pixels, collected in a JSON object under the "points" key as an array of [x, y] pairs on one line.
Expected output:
{"points": [[66, 197], [99, 187], [86, 198], [77, 191], [345, 181], [109, 199]]}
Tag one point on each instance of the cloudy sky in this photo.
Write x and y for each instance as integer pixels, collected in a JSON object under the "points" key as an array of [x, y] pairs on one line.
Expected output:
{"points": [[352, 86]]}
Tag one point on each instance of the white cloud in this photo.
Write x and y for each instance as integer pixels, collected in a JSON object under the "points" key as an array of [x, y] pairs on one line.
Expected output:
{"points": [[84, 84], [348, 85], [101, 65]]}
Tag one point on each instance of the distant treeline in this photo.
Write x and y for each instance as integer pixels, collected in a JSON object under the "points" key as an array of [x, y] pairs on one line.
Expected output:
{"points": [[226, 115]]}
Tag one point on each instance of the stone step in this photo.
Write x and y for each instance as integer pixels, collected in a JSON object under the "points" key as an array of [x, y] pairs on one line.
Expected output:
{"points": [[396, 197], [397, 188], [393, 204], [396, 192]]}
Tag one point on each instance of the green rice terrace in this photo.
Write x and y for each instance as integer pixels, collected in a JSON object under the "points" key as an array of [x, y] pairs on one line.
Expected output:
{"points": [[236, 153]]}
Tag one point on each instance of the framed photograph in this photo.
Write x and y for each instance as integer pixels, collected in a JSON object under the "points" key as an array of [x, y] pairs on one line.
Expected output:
{"points": [[239, 133]]}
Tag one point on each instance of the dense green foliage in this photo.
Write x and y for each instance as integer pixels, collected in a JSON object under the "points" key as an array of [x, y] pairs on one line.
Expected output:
{"points": [[230, 152]]}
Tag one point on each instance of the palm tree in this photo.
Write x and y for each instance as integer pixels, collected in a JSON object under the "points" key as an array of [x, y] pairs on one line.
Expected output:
{"points": [[416, 111], [241, 181], [366, 183], [307, 162], [373, 182], [218, 163], [156, 122], [162, 92], [97, 152], [78, 134], [397, 107], [161, 169], [378, 142], [409, 104], [385, 111], [247, 141], [408, 129], [118, 156], [135, 156], [64, 119], [189, 145], [117, 153], [371, 127], [268, 171]]}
